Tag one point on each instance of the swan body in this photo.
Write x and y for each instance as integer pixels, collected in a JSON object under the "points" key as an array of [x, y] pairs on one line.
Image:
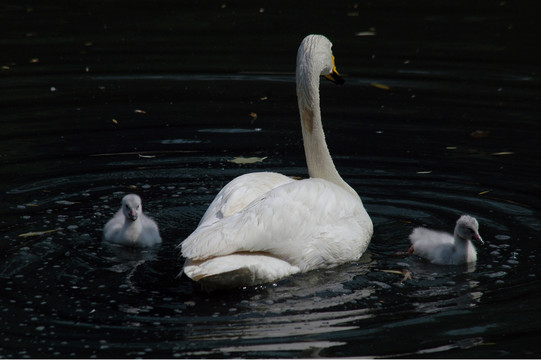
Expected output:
{"points": [[130, 227], [446, 249], [264, 226]]}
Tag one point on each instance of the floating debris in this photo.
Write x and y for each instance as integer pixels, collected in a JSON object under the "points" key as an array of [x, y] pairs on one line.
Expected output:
{"points": [[424, 172], [115, 121], [249, 160], [146, 156], [484, 192], [66, 202], [253, 115], [406, 273], [38, 233], [137, 111], [479, 134], [380, 86], [366, 33], [502, 153]]}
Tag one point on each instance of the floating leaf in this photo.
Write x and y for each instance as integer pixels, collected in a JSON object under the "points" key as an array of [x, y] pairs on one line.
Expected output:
{"points": [[253, 115], [406, 273], [366, 33], [451, 147], [34, 205], [137, 111], [34, 61], [478, 134], [502, 153], [398, 272], [424, 172], [263, 98], [115, 121], [381, 86], [39, 233], [66, 202], [133, 187], [250, 160], [484, 192]]}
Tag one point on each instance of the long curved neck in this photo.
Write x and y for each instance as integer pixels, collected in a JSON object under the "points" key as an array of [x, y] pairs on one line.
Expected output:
{"points": [[318, 158]]}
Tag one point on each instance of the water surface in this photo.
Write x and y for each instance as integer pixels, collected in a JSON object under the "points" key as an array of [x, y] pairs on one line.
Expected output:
{"points": [[439, 117]]}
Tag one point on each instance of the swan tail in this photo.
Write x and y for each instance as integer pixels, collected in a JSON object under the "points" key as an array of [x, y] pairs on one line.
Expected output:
{"points": [[237, 270]]}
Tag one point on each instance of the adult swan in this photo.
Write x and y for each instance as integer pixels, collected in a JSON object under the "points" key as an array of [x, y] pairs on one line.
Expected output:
{"points": [[264, 226]]}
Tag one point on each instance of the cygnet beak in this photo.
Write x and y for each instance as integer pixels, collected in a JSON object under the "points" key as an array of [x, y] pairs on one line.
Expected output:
{"points": [[133, 216], [477, 239]]}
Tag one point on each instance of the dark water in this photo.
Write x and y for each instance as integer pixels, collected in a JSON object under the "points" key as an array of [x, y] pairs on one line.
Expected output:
{"points": [[100, 99]]}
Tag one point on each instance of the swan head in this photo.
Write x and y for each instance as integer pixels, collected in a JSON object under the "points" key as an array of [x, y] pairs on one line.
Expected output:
{"points": [[315, 59], [467, 228], [131, 206]]}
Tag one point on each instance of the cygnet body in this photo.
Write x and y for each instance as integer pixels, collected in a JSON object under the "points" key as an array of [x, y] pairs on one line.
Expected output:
{"points": [[130, 227], [446, 249]]}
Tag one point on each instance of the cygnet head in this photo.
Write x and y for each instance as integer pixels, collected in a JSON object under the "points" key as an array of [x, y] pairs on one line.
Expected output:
{"points": [[131, 206], [467, 228], [315, 55]]}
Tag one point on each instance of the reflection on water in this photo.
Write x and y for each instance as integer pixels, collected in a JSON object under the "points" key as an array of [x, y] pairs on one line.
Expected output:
{"points": [[434, 121]]}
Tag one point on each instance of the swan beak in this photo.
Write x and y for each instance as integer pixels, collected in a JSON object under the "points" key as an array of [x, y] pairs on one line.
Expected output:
{"points": [[334, 76], [133, 216], [477, 238]]}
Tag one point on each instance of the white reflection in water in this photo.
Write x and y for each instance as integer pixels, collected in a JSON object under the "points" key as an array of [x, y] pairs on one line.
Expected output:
{"points": [[306, 305]]}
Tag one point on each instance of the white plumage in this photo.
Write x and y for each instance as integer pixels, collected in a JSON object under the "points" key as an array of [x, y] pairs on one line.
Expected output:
{"points": [[446, 249], [130, 227], [264, 226]]}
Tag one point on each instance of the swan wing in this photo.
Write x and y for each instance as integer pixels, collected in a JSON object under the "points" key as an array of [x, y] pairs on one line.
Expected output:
{"points": [[238, 270], [308, 223], [113, 227], [429, 237], [240, 192], [150, 232], [436, 246]]}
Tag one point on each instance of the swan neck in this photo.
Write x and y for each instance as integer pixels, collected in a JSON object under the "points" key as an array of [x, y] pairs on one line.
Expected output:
{"points": [[318, 158]]}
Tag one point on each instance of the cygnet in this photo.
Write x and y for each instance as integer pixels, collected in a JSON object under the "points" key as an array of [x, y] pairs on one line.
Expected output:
{"points": [[445, 249], [130, 227]]}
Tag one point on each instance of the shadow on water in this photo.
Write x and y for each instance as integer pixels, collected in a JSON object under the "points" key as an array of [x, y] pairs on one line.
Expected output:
{"points": [[424, 130]]}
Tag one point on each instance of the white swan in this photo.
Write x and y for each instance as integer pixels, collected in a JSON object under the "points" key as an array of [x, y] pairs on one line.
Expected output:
{"points": [[264, 226], [446, 249], [130, 226]]}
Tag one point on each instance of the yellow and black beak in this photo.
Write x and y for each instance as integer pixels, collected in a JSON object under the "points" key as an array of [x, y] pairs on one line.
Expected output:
{"points": [[334, 76]]}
